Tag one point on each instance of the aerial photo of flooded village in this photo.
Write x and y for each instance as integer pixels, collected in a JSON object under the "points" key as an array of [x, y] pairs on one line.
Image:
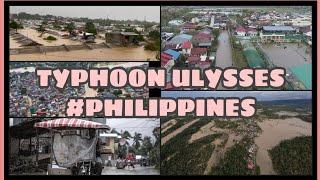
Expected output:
{"points": [[100, 146], [104, 33], [255, 37], [27, 99], [275, 141]]}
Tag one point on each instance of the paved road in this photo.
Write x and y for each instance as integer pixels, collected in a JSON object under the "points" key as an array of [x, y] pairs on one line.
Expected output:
{"points": [[138, 170], [224, 52]]}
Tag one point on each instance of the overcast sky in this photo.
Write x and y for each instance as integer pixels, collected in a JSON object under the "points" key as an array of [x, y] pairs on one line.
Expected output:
{"points": [[260, 95], [144, 126], [151, 13]]}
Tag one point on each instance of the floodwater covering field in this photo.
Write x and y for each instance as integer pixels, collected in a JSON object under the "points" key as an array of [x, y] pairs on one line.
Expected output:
{"points": [[288, 55], [273, 132], [106, 54]]}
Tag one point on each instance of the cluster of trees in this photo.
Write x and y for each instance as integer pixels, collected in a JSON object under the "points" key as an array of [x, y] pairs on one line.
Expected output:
{"points": [[179, 157], [215, 33], [15, 25], [293, 157], [168, 14], [141, 145], [154, 44], [234, 161]]}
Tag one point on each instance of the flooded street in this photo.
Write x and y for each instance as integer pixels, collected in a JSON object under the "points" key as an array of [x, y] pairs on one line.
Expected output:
{"points": [[106, 54], [273, 132], [224, 52], [138, 170]]}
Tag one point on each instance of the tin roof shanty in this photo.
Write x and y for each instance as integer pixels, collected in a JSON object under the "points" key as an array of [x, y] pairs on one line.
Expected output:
{"points": [[71, 123]]}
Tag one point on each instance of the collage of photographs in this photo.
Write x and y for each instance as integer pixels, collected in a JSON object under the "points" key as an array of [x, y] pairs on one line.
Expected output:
{"points": [[277, 140]]}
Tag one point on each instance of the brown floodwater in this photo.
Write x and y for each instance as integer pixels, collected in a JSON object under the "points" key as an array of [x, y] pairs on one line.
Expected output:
{"points": [[273, 132], [105, 54]]}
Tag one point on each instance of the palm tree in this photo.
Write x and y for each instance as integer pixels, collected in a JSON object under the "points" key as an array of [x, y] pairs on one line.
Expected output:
{"points": [[137, 138]]}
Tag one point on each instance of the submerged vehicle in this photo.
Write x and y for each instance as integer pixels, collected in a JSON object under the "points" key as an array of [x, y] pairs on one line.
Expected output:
{"points": [[74, 143]]}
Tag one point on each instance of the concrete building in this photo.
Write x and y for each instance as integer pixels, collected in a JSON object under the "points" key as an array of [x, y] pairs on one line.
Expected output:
{"points": [[276, 34], [121, 38]]}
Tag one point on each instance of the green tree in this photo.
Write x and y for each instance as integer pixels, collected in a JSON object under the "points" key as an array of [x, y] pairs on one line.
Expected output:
{"points": [[146, 146], [70, 27], [14, 25], [154, 35], [90, 28], [137, 138], [41, 28]]}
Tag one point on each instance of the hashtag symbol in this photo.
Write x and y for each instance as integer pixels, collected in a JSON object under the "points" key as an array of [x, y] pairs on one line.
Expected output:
{"points": [[74, 107]]}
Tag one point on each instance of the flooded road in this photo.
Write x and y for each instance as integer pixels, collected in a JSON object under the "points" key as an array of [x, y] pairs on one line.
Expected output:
{"points": [[106, 54], [224, 52]]}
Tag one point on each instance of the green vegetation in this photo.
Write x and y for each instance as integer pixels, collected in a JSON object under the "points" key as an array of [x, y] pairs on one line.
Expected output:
{"points": [[154, 43], [50, 38], [70, 27], [14, 25], [41, 28], [168, 14], [216, 33], [293, 157], [237, 56], [90, 28], [180, 122], [178, 157], [226, 124], [234, 161]]}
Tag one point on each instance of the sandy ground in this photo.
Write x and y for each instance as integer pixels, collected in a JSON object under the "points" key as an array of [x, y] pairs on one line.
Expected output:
{"points": [[273, 132], [106, 54], [167, 125], [177, 131]]}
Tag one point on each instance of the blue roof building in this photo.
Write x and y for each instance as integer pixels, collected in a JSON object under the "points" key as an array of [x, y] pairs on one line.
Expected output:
{"points": [[173, 53]]}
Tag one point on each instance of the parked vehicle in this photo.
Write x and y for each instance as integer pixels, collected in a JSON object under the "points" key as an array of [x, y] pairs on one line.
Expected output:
{"points": [[74, 144]]}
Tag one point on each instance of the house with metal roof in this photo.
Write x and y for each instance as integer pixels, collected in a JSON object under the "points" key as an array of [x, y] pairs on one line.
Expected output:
{"points": [[175, 55]]}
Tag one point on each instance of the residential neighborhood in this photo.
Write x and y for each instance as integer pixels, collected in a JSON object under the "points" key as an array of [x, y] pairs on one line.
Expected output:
{"points": [[255, 37], [27, 99], [42, 37]]}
